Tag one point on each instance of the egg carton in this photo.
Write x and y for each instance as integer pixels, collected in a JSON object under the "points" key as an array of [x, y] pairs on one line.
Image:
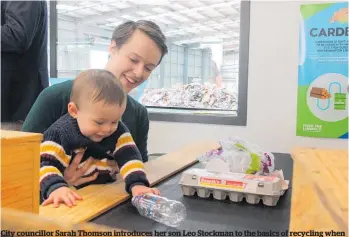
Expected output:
{"points": [[236, 186]]}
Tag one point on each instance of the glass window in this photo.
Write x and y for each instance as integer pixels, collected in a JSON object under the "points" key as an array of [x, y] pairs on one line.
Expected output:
{"points": [[98, 58], [201, 74]]}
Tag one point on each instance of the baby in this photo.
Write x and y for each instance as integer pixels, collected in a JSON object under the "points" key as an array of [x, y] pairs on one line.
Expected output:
{"points": [[92, 125]]}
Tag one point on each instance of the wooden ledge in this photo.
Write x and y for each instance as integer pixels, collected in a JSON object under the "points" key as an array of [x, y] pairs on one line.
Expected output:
{"points": [[100, 198], [15, 137], [320, 190]]}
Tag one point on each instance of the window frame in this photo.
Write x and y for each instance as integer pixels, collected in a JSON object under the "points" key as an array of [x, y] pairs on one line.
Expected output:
{"points": [[53, 38], [241, 118]]}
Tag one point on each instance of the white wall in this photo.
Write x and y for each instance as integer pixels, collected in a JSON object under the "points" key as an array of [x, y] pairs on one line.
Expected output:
{"points": [[272, 90]]}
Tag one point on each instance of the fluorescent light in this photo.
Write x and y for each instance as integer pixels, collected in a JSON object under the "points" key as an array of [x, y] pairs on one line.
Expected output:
{"points": [[158, 10], [153, 2], [143, 13], [65, 7]]}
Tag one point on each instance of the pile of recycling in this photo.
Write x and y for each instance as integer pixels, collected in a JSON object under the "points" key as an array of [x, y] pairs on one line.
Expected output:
{"points": [[193, 95]]}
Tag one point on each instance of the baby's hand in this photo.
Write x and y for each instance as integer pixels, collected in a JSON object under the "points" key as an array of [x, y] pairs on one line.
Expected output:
{"points": [[64, 195], [140, 189]]}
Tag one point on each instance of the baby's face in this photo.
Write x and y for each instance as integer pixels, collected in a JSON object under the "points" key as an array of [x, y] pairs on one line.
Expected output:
{"points": [[98, 120]]}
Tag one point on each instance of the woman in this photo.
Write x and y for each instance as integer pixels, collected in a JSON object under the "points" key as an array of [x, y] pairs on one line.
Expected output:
{"points": [[136, 49]]}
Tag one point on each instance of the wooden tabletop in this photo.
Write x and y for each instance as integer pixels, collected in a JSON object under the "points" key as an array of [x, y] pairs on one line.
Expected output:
{"points": [[208, 214], [100, 198], [320, 190]]}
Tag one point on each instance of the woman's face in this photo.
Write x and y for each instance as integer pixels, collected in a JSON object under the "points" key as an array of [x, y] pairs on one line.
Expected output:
{"points": [[134, 61]]}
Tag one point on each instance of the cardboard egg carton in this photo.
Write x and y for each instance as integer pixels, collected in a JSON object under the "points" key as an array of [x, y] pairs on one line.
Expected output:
{"points": [[236, 186]]}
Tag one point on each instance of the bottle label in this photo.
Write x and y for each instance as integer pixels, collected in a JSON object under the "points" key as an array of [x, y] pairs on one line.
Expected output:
{"points": [[153, 201]]}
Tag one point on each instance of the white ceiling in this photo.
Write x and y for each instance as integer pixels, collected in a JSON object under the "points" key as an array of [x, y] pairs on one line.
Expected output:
{"points": [[183, 22]]}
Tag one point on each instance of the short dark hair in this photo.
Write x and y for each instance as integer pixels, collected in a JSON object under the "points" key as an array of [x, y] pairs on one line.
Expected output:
{"points": [[98, 85], [124, 31]]}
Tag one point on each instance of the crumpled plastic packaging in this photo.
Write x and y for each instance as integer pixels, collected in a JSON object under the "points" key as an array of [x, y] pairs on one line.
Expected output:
{"points": [[280, 175], [242, 157], [193, 95]]}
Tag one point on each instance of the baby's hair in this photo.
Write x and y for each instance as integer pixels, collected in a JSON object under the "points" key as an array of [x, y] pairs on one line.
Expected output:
{"points": [[97, 85]]}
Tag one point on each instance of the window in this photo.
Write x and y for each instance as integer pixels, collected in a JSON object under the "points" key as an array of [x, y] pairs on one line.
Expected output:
{"points": [[203, 78], [98, 58]]}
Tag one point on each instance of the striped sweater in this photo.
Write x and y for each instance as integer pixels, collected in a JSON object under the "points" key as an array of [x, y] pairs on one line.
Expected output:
{"points": [[64, 137]]}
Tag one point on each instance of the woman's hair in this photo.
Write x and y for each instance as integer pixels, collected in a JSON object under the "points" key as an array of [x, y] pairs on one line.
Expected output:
{"points": [[97, 85], [124, 31]]}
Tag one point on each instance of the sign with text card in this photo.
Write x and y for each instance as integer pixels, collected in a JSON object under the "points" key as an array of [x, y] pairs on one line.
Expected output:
{"points": [[322, 103]]}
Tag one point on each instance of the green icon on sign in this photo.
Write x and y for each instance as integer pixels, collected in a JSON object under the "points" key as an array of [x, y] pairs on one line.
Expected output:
{"points": [[340, 101]]}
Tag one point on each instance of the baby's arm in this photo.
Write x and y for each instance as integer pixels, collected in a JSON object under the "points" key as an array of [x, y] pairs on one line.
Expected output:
{"points": [[130, 162], [53, 162]]}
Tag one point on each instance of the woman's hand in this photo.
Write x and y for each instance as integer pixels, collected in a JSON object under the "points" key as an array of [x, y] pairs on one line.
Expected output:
{"points": [[73, 174], [62, 195]]}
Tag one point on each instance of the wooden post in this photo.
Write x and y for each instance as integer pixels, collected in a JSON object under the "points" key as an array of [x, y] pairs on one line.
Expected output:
{"points": [[20, 166]]}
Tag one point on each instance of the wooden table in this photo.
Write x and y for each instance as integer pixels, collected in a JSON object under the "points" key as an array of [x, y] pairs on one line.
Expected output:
{"points": [[320, 190], [99, 198], [318, 203], [208, 214]]}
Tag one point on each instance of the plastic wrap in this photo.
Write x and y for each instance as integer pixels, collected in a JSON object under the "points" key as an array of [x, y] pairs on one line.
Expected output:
{"points": [[242, 157]]}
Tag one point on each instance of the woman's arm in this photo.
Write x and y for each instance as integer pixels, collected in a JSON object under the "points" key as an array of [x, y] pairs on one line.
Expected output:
{"points": [[49, 106], [142, 136]]}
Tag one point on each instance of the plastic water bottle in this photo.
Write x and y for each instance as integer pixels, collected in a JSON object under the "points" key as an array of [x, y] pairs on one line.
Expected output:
{"points": [[160, 209]]}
